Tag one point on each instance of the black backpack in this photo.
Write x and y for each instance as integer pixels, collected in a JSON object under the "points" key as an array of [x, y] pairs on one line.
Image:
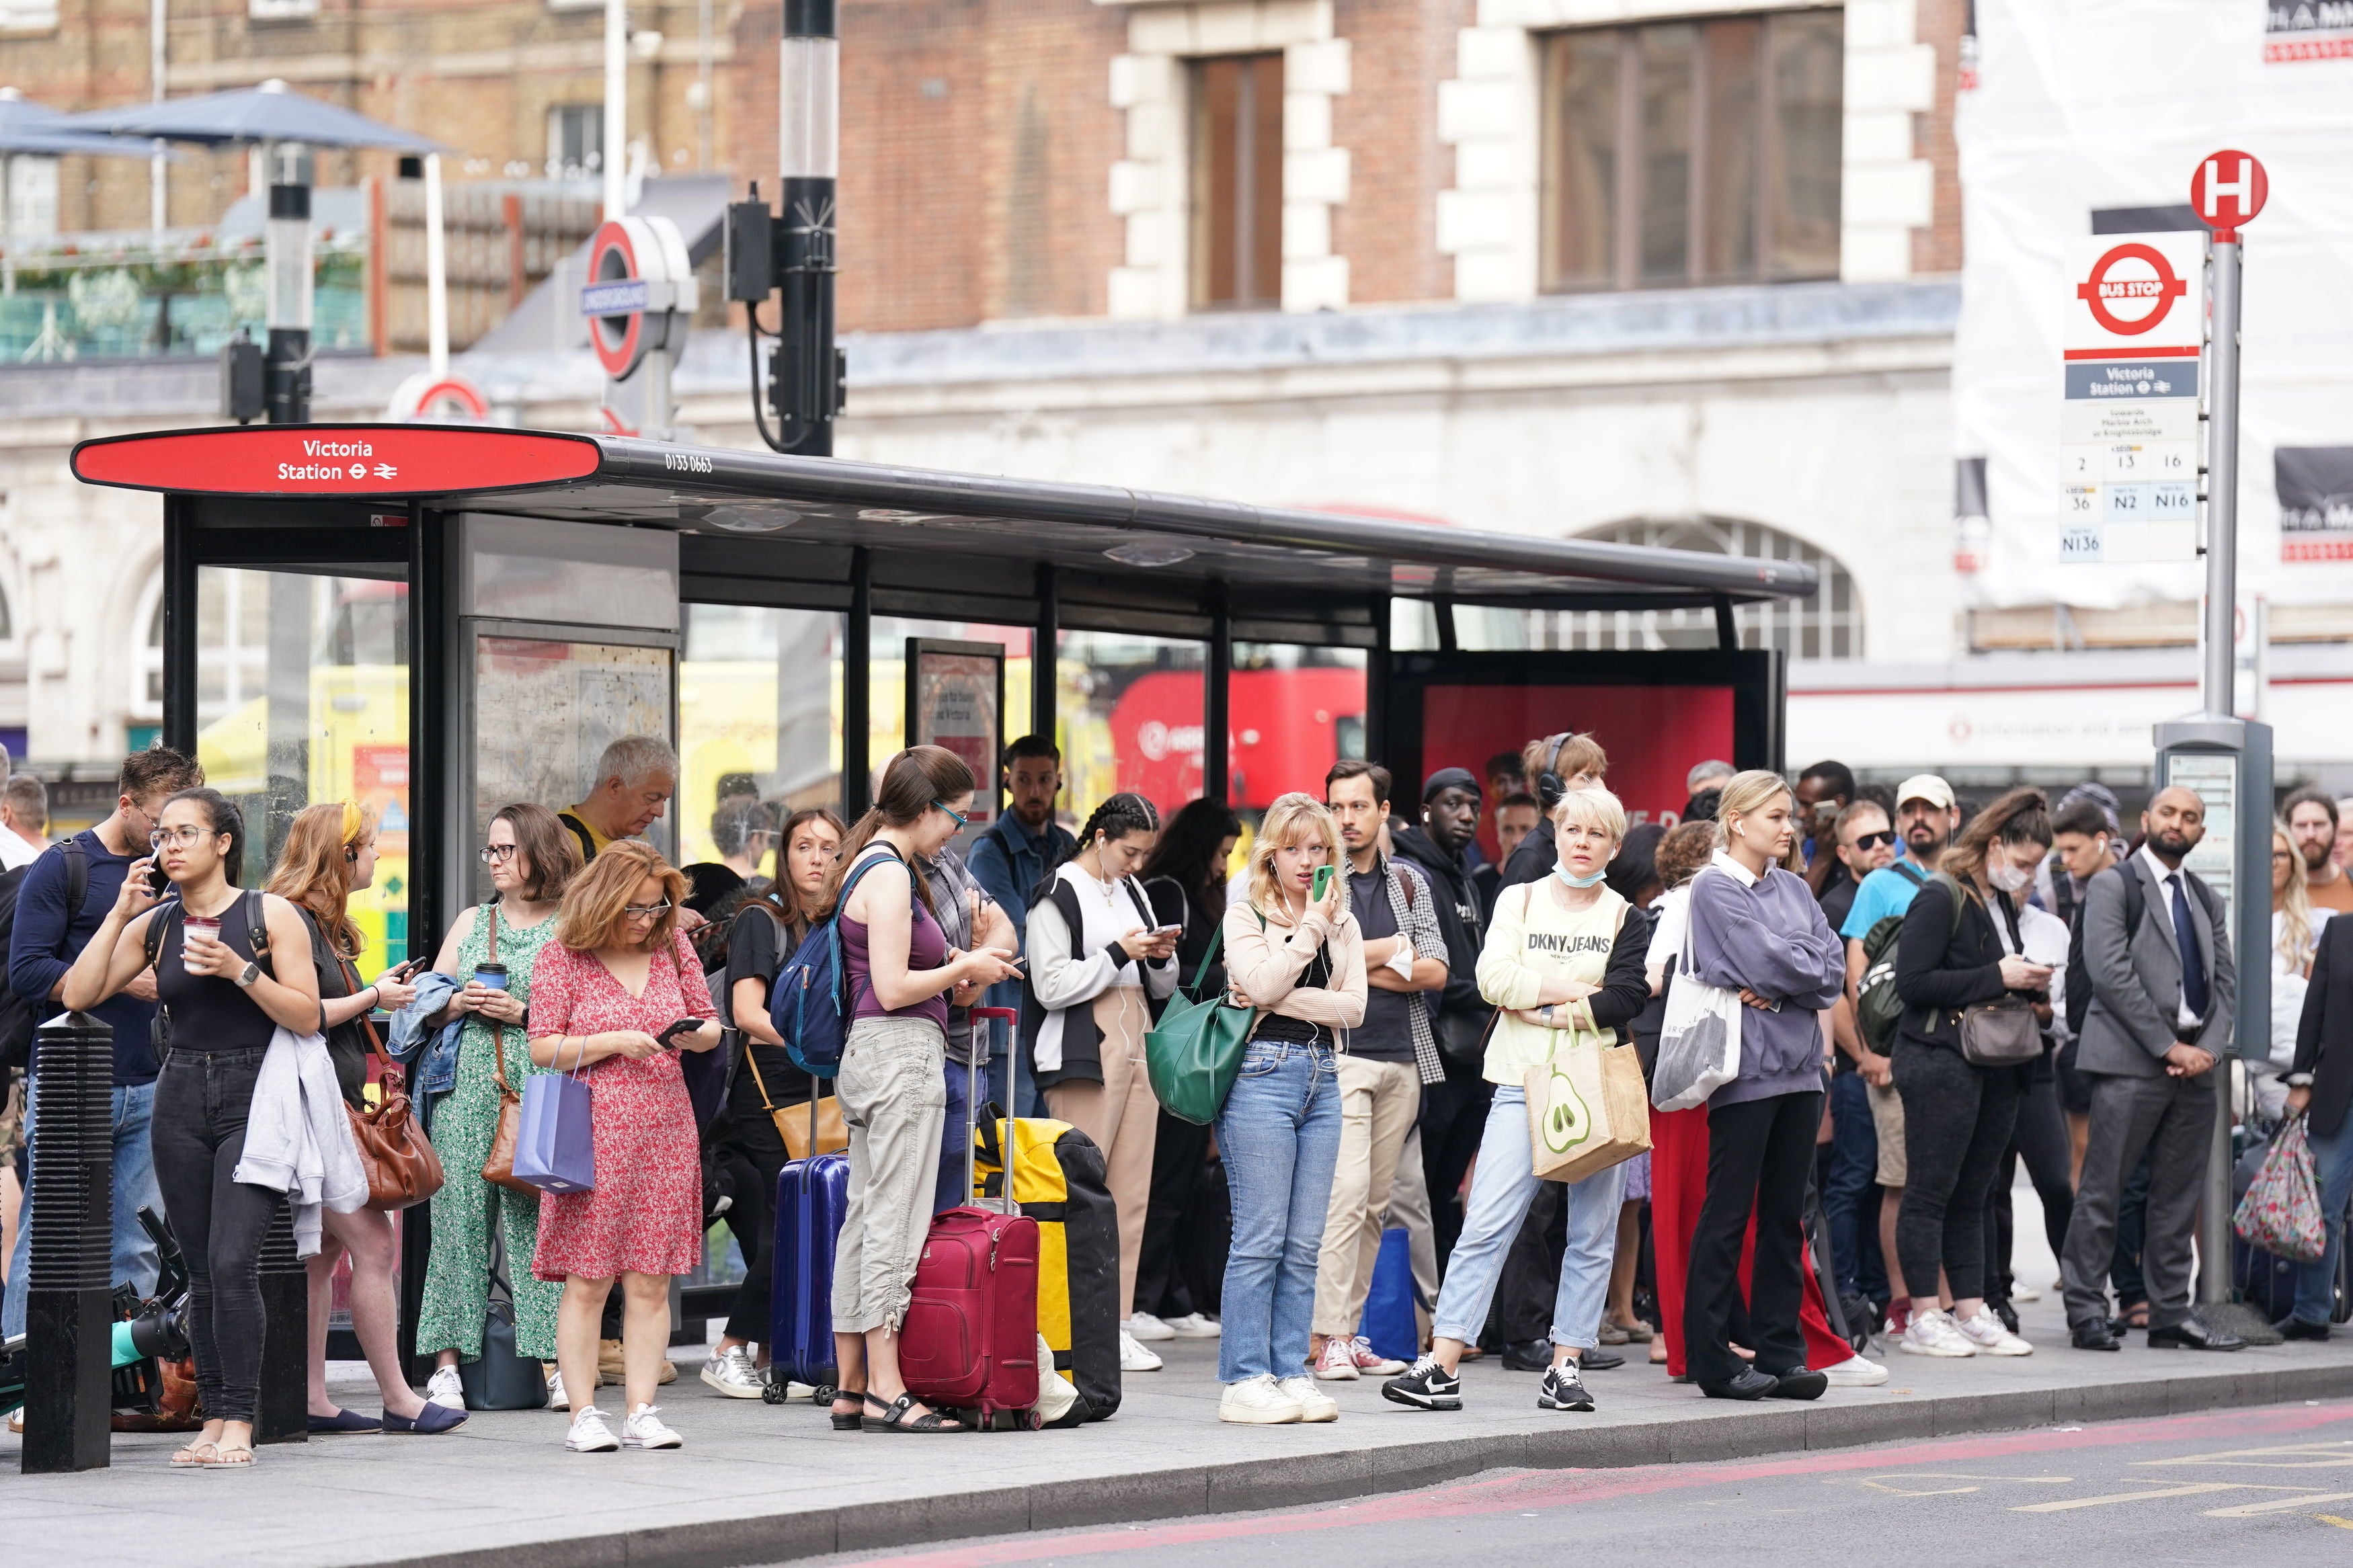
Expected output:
{"points": [[1877, 1009], [2079, 974], [20, 1016]]}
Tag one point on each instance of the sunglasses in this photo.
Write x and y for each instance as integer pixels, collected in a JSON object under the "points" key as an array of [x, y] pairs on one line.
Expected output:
{"points": [[1867, 842]]}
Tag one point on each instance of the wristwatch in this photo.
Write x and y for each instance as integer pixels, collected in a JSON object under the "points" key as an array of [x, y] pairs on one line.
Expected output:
{"points": [[244, 978]]}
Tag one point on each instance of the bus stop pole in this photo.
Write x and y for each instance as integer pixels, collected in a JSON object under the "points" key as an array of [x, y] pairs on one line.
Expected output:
{"points": [[857, 671], [1217, 713], [1045, 653]]}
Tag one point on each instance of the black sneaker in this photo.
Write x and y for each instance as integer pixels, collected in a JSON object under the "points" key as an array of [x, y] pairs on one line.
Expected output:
{"points": [[1563, 1390], [1425, 1386]]}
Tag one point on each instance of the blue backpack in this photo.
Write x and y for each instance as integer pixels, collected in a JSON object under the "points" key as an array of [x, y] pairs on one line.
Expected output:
{"points": [[809, 1005]]}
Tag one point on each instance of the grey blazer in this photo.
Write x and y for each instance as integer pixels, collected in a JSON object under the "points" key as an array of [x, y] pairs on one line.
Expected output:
{"points": [[2136, 988]]}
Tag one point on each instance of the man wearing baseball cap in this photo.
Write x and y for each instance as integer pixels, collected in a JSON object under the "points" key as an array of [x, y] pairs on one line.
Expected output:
{"points": [[1927, 817]]}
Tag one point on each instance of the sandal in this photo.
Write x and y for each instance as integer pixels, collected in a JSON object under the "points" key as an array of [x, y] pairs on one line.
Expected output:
{"points": [[193, 1457], [896, 1417], [856, 1419], [230, 1457], [1611, 1334]]}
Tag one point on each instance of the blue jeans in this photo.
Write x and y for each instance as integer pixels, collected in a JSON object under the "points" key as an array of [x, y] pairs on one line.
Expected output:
{"points": [[1502, 1185], [1855, 1171], [134, 1188], [1280, 1136], [2332, 1161], [955, 1138]]}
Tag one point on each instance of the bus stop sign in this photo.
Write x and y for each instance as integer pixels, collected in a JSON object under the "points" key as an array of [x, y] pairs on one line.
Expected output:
{"points": [[2228, 189]]}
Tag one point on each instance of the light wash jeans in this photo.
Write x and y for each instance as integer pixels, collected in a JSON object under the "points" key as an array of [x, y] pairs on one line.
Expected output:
{"points": [[1280, 1137], [2332, 1162], [136, 1260], [1502, 1188]]}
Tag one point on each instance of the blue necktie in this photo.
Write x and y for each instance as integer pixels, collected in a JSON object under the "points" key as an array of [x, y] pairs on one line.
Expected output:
{"points": [[2193, 971]]}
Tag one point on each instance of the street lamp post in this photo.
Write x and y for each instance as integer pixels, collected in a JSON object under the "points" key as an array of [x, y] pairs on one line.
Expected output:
{"points": [[287, 372]]}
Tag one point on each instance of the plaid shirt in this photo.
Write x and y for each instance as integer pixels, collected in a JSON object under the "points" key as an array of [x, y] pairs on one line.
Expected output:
{"points": [[1416, 921]]}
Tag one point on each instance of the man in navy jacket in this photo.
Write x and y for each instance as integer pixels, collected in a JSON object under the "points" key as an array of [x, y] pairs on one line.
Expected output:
{"points": [[1014, 854]]}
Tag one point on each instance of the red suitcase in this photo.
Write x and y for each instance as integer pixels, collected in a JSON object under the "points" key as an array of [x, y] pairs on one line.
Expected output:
{"points": [[971, 1337]]}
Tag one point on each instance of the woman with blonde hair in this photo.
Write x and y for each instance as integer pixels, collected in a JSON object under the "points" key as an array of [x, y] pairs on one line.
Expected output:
{"points": [[611, 993], [2295, 937], [1756, 930], [1297, 959], [1563, 962], [331, 853]]}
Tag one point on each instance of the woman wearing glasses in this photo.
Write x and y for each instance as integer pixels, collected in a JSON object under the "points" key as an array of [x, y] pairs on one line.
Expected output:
{"points": [[531, 858], [620, 992], [224, 997]]}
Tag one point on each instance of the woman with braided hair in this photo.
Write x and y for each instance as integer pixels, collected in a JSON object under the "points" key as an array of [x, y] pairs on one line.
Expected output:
{"points": [[1097, 956]]}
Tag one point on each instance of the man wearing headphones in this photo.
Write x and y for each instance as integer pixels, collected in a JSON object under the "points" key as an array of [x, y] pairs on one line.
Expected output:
{"points": [[1558, 763]]}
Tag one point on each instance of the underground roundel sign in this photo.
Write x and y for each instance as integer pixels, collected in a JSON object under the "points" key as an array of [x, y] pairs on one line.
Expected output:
{"points": [[639, 291]]}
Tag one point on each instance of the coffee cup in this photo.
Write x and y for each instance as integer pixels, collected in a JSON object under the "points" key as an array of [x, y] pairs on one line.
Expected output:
{"points": [[204, 926], [490, 976]]}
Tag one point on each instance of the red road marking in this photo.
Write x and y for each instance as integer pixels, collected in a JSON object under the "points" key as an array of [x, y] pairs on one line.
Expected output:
{"points": [[1544, 1488]]}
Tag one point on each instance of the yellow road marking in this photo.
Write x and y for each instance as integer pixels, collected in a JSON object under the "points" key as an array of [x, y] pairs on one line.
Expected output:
{"points": [[2274, 1505], [2332, 1518], [2287, 1456], [1875, 1482], [2193, 1488]]}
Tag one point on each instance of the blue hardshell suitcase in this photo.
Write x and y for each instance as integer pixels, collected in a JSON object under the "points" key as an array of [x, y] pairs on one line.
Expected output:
{"points": [[811, 1196]]}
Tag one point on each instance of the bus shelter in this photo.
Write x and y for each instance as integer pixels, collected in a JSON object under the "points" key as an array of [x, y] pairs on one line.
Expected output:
{"points": [[435, 620]]}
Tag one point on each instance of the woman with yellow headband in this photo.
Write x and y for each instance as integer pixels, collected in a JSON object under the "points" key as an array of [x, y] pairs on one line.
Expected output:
{"points": [[331, 853]]}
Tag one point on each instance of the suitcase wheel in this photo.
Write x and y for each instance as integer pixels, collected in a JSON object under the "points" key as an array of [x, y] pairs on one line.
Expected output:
{"points": [[826, 1394], [772, 1394]]}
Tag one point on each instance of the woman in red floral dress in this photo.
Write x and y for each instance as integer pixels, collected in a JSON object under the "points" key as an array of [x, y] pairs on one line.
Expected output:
{"points": [[617, 974]]}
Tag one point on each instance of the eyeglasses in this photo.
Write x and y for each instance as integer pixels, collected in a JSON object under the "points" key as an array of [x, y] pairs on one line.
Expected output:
{"points": [[492, 854], [961, 820], [185, 838], [646, 911], [1869, 841], [2282, 855]]}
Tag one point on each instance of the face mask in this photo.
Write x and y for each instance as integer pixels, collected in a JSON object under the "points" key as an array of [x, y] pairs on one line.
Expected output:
{"points": [[2008, 878], [1562, 872]]}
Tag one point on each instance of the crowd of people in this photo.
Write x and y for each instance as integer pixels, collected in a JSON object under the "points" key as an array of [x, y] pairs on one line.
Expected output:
{"points": [[1927, 997]]}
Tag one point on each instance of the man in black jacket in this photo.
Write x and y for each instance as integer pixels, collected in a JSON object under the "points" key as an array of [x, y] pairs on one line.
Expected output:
{"points": [[1573, 761], [1454, 1111]]}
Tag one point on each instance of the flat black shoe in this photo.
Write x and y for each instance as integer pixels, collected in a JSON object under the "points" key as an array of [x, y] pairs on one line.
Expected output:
{"points": [[2093, 1334], [1798, 1383], [2294, 1328], [1528, 1355], [2189, 1334], [352, 1421], [1750, 1384], [1601, 1360]]}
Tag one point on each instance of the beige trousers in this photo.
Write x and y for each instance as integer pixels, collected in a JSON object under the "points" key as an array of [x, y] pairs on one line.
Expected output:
{"points": [[1379, 1102], [1122, 1117]]}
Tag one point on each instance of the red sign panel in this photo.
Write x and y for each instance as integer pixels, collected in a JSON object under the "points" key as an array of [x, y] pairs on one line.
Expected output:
{"points": [[2227, 189], [335, 460]]}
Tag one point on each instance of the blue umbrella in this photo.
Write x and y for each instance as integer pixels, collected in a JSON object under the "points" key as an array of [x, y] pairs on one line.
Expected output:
{"points": [[270, 113], [35, 127]]}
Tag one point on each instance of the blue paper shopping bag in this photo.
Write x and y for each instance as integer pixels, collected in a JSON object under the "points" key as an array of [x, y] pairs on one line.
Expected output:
{"points": [[556, 1150]]}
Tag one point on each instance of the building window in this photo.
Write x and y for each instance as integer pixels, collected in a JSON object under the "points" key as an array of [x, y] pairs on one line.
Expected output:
{"points": [[1686, 153], [576, 141], [32, 197], [1827, 625], [281, 10], [1237, 182], [27, 16]]}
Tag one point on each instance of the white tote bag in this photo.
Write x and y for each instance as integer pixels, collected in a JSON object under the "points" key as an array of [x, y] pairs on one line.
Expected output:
{"points": [[1699, 1043]]}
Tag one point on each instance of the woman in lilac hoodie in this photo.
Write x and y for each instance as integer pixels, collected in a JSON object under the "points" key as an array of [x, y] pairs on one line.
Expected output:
{"points": [[1756, 930]]}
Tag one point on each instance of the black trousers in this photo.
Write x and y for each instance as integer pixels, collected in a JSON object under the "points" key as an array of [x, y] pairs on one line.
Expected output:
{"points": [[1453, 1119], [2040, 1138], [197, 1138], [1956, 1123], [752, 1154], [1758, 1154], [1179, 1157]]}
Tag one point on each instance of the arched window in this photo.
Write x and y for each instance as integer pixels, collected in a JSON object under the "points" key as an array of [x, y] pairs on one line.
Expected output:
{"points": [[1827, 625]]}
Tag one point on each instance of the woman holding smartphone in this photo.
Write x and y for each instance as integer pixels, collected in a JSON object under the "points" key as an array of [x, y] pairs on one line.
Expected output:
{"points": [[224, 997], [330, 854], [620, 992], [1098, 959], [1296, 956], [492, 951]]}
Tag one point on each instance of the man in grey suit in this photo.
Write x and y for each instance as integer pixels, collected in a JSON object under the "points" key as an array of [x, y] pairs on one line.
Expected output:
{"points": [[2162, 992]]}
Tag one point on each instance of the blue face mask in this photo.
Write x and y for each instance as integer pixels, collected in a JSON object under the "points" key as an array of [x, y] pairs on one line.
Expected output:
{"points": [[1562, 872]]}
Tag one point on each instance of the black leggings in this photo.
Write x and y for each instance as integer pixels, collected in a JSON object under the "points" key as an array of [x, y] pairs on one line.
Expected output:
{"points": [[197, 1138], [1758, 1154], [1956, 1124], [2041, 1140], [753, 1151], [1180, 1154]]}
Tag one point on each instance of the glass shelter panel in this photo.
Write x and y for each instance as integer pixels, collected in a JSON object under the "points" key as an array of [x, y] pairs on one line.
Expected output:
{"points": [[759, 697], [1129, 711]]}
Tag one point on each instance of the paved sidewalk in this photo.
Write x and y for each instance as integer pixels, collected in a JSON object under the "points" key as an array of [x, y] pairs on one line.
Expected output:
{"points": [[759, 1484]]}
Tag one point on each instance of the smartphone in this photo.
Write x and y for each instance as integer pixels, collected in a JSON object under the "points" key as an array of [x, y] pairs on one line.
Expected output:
{"points": [[157, 883], [667, 1038], [411, 970], [1322, 882], [1164, 931]]}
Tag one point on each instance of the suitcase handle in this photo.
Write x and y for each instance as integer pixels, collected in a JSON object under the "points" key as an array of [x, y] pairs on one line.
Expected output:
{"points": [[1012, 1094]]}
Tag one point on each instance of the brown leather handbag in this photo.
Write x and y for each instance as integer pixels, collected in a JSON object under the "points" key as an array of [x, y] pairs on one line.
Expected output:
{"points": [[821, 1131], [498, 1165], [402, 1169]]}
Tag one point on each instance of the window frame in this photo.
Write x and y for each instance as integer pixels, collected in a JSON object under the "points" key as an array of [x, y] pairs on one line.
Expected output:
{"points": [[1255, 228]]}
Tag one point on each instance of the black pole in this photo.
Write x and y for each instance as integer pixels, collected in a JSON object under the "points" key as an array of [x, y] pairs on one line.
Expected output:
{"points": [[287, 374], [285, 1413], [1727, 625], [857, 668], [69, 1295], [1376, 687], [432, 615], [180, 625], [1045, 653], [1216, 766], [805, 374]]}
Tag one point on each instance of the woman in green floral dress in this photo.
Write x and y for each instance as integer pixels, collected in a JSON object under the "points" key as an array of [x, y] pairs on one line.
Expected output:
{"points": [[531, 857]]}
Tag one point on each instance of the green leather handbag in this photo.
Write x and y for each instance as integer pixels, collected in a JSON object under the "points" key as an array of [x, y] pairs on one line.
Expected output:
{"points": [[1196, 1054]]}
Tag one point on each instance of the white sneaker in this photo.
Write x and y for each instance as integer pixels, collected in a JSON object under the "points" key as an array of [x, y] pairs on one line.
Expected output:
{"points": [[1856, 1372], [1336, 1363], [1314, 1405], [644, 1429], [1192, 1326], [1934, 1333], [730, 1371], [2024, 1294], [589, 1435], [1369, 1360], [444, 1389], [555, 1400], [1145, 1326], [1134, 1357], [1988, 1333], [1257, 1401]]}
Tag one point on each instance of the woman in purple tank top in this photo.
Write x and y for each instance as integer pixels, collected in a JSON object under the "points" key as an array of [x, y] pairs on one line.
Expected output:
{"points": [[893, 1097]]}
